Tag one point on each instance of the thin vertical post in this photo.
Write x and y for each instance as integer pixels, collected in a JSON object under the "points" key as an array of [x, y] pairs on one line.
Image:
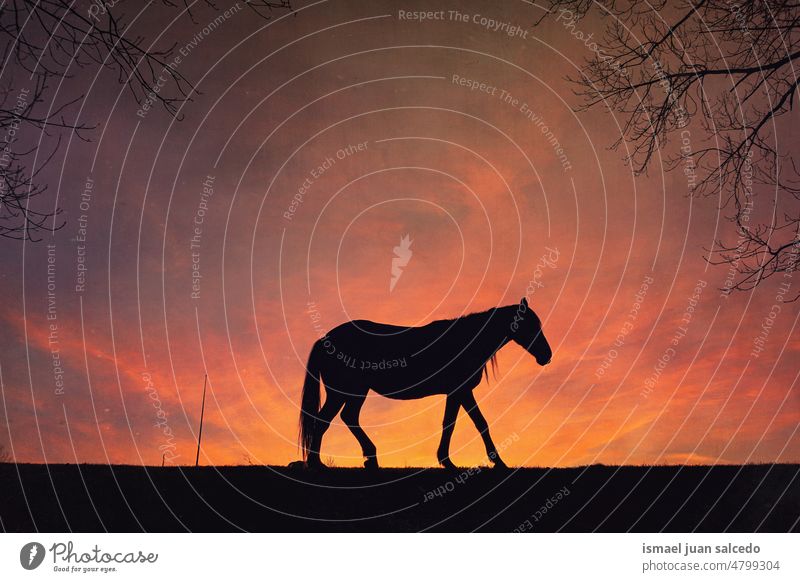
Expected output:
{"points": [[202, 413]]}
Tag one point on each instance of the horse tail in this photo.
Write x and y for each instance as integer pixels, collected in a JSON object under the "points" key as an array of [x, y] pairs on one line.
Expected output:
{"points": [[309, 409]]}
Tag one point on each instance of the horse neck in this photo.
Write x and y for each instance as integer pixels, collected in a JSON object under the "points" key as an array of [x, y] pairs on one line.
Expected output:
{"points": [[494, 332]]}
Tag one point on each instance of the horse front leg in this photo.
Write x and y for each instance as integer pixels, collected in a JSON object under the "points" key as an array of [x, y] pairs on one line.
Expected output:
{"points": [[471, 406], [448, 424]]}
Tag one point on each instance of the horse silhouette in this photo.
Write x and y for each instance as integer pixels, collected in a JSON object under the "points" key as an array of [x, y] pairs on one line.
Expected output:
{"points": [[444, 357]]}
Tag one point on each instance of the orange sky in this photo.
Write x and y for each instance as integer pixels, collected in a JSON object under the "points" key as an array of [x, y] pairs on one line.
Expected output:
{"points": [[467, 175]]}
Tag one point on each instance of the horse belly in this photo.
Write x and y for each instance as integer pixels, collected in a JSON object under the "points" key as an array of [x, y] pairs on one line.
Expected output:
{"points": [[419, 382], [405, 392]]}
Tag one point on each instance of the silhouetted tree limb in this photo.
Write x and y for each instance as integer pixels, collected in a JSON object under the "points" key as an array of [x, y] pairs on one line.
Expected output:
{"points": [[45, 41], [729, 69]]}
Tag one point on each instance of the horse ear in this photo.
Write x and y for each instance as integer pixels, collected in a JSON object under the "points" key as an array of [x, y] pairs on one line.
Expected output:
{"points": [[524, 301]]}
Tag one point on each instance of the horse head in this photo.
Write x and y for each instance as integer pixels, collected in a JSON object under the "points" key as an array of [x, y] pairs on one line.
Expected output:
{"points": [[526, 330]]}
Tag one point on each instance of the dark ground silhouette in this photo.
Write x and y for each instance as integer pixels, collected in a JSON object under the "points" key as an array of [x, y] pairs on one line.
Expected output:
{"points": [[612, 499]]}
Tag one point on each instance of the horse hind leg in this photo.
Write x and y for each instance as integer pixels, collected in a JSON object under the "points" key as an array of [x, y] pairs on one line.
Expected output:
{"points": [[350, 414], [333, 404]]}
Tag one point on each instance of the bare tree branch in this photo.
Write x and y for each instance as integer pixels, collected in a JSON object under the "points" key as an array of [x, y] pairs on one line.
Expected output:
{"points": [[44, 41], [729, 68]]}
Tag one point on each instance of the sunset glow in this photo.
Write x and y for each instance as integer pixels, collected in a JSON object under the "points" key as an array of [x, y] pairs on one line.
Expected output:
{"points": [[228, 241]]}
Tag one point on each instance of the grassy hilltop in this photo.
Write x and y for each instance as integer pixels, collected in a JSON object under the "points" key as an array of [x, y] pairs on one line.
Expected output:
{"points": [[55, 498]]}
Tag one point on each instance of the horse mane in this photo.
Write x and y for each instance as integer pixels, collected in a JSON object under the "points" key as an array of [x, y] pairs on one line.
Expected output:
{"points": [[493, 360], [472, 323]]}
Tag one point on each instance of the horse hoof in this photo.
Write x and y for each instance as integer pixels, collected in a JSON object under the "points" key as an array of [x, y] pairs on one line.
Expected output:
{"points": [[371, 464], [448, 464], [500, 466], [315, 465]]}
